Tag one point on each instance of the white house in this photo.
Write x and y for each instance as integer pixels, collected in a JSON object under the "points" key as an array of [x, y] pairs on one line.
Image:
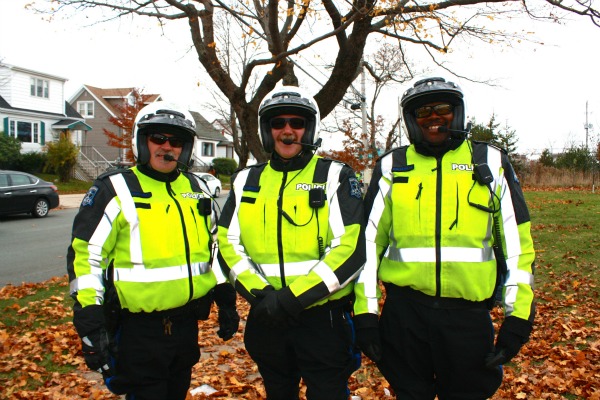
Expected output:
{"points": [[33, 108]]}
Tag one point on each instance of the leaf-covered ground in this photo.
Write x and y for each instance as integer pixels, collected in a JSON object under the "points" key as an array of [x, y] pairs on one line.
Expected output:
{"points": [[39, 357]]}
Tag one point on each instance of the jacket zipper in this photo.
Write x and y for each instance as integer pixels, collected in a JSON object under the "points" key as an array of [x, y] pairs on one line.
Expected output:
{"points": [[438, 228], [279, 229]]}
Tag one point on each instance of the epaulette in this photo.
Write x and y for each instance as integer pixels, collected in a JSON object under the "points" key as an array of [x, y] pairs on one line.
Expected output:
{"points": [[479, 142], [391, 151], [250, 166], [113, 172]]}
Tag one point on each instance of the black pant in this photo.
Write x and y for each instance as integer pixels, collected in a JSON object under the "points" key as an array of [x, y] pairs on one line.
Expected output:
{"points": [[156, 354], [438, 349], [319, 348]]}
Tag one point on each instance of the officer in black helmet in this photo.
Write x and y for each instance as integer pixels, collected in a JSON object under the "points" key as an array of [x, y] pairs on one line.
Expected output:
{"points": [[291, 241], [446, 224]]}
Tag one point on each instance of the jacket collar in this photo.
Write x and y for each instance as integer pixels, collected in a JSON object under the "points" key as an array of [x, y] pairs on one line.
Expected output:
{"points": [[294, 164], [159, 176]]}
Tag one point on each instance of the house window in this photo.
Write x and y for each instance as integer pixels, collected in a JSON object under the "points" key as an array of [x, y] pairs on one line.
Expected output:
{"points": [[39, 88], [208, 149], [86, 109], [26, 132]]}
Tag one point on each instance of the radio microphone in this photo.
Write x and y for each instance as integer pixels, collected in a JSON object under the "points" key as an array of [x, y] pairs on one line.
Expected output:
{"points": [[445, 129], [315, 146], [169, 157]]}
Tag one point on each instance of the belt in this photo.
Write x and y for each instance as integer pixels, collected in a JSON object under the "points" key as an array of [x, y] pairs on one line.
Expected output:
{"points": [[404, 292]]}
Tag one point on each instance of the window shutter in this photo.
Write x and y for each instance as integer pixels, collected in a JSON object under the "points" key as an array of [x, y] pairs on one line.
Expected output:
{"points": [[6, 126], [42, 133]]}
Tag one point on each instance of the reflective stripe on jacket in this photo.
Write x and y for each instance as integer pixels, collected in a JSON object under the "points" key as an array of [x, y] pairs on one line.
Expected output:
{"points": [[270, 235], [430, 224], [151, 233]]}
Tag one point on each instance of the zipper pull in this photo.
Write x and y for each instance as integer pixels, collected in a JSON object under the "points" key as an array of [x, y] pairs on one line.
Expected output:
{"points": [[167, 324], [419, 192]]}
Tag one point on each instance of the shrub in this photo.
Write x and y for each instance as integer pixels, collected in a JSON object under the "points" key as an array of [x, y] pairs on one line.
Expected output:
{"points": [[32, 162], [62, 157], [10, 152], [225, 166]]}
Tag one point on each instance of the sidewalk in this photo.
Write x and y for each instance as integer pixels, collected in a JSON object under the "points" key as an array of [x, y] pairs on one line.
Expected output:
{"points": [[71, 200]]}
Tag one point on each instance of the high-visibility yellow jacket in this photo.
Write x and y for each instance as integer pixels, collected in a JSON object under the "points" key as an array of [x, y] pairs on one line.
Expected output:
{"points": [[269, 234], [430, 223], [155, 233]]}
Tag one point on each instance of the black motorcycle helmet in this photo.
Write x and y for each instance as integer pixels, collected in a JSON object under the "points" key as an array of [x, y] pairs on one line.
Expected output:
{"points": [[288, 100], [431, 90]]}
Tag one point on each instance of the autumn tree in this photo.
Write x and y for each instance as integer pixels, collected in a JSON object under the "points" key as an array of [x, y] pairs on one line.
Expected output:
{"points": [[125, 120], [282, 30]]}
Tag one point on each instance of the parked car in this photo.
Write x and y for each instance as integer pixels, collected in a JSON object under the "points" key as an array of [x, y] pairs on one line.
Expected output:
{"points": [[22, 193], [214, 184]]}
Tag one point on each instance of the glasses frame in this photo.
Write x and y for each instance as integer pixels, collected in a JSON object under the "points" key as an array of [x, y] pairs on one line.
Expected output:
{"points": [[159, 139], [439, 109], [281, 122]]}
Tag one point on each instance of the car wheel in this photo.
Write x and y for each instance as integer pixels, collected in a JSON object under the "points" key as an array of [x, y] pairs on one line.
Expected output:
{"points": [[217, 192], [40, 208]]}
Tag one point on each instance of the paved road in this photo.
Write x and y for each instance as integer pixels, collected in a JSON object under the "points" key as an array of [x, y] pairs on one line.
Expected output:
{"points": [[35, 249]]}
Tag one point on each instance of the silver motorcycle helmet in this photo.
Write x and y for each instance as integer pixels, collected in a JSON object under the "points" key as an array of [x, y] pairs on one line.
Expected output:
{"points": [[163, 117], [288, 100]]}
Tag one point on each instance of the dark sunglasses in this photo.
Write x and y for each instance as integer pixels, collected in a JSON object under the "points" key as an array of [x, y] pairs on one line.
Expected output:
{"points": [[440, 109], [295, 123], [174, 141]]}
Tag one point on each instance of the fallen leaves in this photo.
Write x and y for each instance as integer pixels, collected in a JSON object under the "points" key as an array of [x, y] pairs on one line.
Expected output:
{"points": [[40, 357]]}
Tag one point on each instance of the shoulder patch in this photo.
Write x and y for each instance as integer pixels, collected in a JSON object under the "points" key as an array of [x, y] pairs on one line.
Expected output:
{"points": [[88, 199], [355, 187]]}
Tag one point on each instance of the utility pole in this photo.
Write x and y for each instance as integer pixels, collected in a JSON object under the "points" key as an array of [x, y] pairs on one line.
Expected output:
{"points": [[587, 127], [363, 105]]}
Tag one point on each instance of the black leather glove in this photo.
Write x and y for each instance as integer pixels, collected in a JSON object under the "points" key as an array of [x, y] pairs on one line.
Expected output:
{"points": [[369, 342], [513, 333], [269, 310], [95, 352], [225, 296]]}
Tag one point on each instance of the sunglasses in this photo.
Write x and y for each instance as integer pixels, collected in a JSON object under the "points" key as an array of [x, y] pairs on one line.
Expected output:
{"points": [[295, 123], [440, 109], [174, 141]]}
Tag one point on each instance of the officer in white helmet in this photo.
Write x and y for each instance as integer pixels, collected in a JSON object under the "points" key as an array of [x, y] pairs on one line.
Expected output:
{"points": [[291, 242], [140, 264]]}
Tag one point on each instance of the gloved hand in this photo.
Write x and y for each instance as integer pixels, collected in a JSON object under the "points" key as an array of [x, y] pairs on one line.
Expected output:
{"points": [[513, 333], [369, 342], [229, 320], [95, 352], [269, 310]]}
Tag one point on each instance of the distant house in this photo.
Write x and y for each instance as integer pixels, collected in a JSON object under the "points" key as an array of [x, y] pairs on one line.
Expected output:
{"points": [[97, 105], [33, 108], [210, 143], [225, 129]]}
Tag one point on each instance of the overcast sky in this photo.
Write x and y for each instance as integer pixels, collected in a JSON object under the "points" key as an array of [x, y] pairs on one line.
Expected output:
{"points": [[541, 94]]}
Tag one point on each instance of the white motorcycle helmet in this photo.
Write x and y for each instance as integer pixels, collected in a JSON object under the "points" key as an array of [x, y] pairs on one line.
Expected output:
{"points": [[289, 100], [163, 117]]}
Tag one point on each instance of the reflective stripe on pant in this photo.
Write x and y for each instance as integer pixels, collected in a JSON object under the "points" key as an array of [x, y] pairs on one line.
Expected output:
{"points": [[318, 349], [157, 364], [429, 351]]}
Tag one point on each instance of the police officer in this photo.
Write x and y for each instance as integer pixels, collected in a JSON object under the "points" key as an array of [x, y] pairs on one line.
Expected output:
{"points": [[291, 242], [139, 264], [436, 209]]}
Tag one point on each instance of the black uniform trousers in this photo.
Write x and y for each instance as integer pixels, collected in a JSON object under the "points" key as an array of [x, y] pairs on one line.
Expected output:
{"points": [[317, 347], [156, 354], [436, 346]]}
